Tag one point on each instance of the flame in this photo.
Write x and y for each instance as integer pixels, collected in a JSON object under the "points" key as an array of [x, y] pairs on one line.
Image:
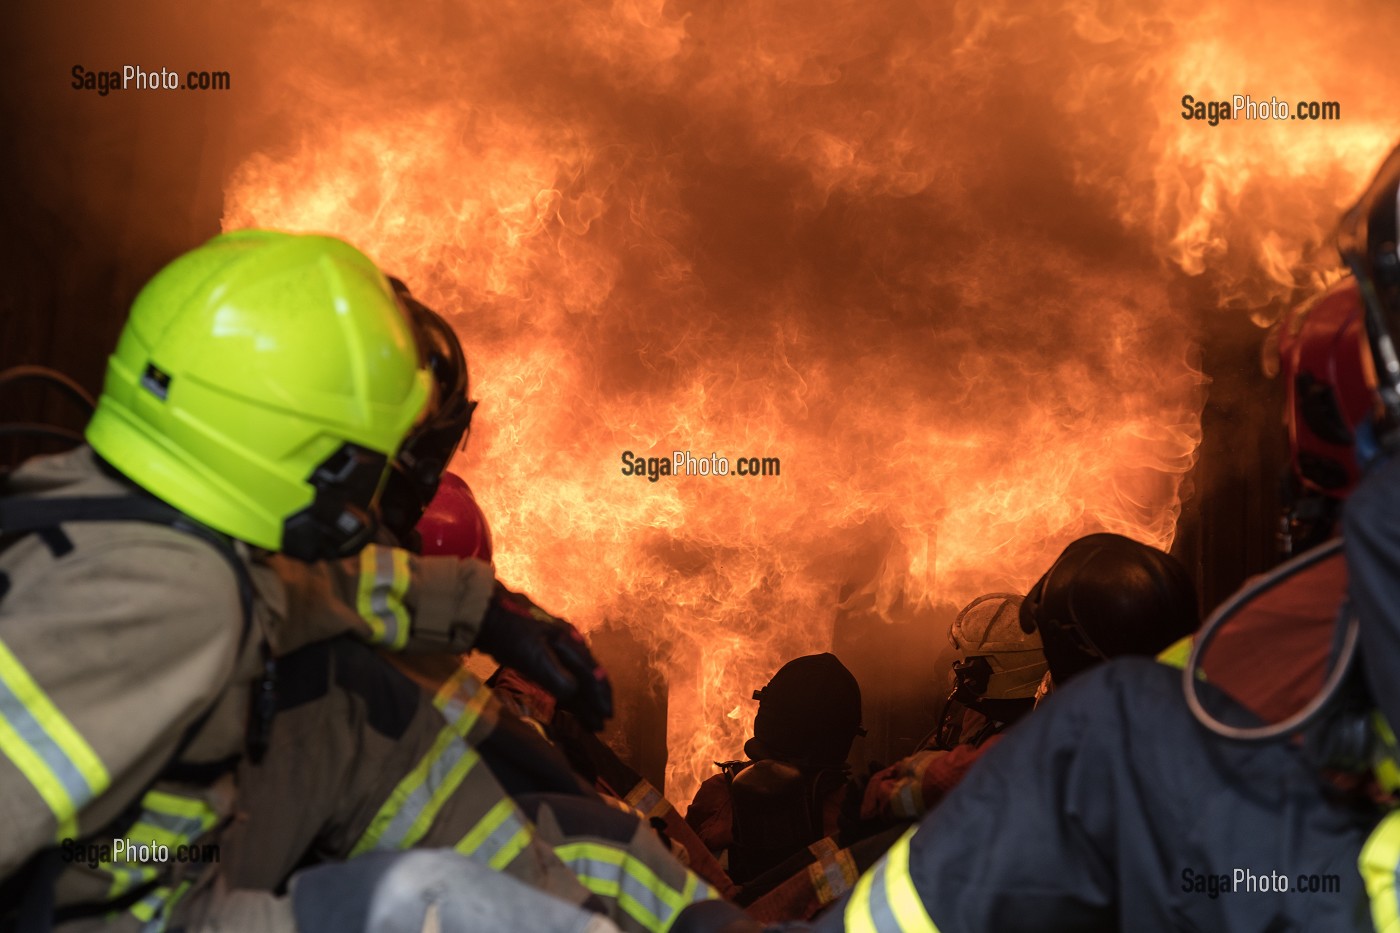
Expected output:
{"points": [[931, 259]]}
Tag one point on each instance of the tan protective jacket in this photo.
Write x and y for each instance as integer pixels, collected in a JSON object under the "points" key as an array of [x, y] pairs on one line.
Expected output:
{"points": [[111, 650], [107, 654]]}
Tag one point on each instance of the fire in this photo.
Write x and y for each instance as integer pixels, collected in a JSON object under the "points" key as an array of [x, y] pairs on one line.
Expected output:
{"points": [[928, 259]]}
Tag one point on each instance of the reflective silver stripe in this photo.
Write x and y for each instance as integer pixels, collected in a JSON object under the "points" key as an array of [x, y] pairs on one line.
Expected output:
{"points": [[495, 848], [160, 823], [422, 792], [646, 798], [152, 906], [417, 812], [612, 880], [125, 877], [461, 700], [639, 892], [908, 799], [32, 734], [893, 901], [183, 828], [880, 910], [154, 909], [383, 590], [644, 901]]}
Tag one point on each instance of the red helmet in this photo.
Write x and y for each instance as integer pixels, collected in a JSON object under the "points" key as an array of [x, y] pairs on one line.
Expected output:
{"points": [[453, 523], [1320, 357]]}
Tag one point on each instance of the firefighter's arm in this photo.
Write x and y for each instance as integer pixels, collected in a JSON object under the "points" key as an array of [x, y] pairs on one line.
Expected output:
{"points": [[386, 596], [402, 601], [1004, 851], [107, 656], [898, 791]]}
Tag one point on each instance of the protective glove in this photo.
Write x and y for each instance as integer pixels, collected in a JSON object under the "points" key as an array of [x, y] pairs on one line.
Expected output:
{"points": [[549, 651]]}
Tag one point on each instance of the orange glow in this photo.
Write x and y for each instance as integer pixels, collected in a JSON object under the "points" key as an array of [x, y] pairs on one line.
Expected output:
{"points": [[932, 259]]}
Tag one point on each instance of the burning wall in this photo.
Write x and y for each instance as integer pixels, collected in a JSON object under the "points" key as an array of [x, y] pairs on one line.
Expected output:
{"points": [[928, 255]]}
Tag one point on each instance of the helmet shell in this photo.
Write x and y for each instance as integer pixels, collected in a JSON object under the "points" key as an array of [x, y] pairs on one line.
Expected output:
{"points": [[1107, 596], [990, 627], [246, 367], [809, 713], [454, 523]]}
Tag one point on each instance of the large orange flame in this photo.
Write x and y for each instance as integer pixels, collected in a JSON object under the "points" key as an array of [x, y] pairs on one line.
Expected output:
{"points": [[926, 257]]}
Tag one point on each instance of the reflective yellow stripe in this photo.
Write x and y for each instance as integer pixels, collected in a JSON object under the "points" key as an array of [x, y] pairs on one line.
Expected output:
{"points": [[415, 802], [485, 827], [1379, 861], [153, 910], [461, 699], [1386, 760], [462, 681], [1178, 653], [384, 580], [885, 899], [642, 895], [45, 784], [45, 747], [498, 837], [903, 897], [421, 794], [509, 850], [166, 819], [453, 780]]}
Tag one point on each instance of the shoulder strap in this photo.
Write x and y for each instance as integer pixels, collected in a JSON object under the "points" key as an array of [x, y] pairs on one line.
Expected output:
{"points": [[24, 516], [21, 516]]}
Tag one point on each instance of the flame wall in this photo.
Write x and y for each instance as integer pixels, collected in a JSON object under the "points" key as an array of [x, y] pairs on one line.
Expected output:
{"points": [[927, 255]]}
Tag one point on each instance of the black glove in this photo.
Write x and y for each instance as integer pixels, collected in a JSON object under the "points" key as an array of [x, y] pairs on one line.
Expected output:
{"points": [[549, 651]]}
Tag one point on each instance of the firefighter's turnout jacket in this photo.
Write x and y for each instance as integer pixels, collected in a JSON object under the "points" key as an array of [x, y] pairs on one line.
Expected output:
{"points": [[1107, 810], [130, 690]]}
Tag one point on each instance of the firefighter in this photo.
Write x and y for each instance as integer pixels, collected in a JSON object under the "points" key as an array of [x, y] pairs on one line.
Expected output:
{"points": [[1290, 614], [999, 669], [365, 761], [259, 389], [455, 524], [1150, 821], [790, 791], [995, 678], [1369, 243], [1105, 596]]}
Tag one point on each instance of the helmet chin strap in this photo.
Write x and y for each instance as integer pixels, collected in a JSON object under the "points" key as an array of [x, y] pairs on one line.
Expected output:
{"points": [[339, 521]]}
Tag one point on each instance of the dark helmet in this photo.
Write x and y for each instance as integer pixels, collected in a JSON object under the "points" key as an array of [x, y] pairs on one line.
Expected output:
{"points": [[1369, 242], [428, 449], [1108, 596], [808, 714]]}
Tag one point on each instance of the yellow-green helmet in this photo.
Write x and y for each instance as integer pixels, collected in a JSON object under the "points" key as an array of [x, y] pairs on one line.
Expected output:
{"points": [[261, 385]]}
